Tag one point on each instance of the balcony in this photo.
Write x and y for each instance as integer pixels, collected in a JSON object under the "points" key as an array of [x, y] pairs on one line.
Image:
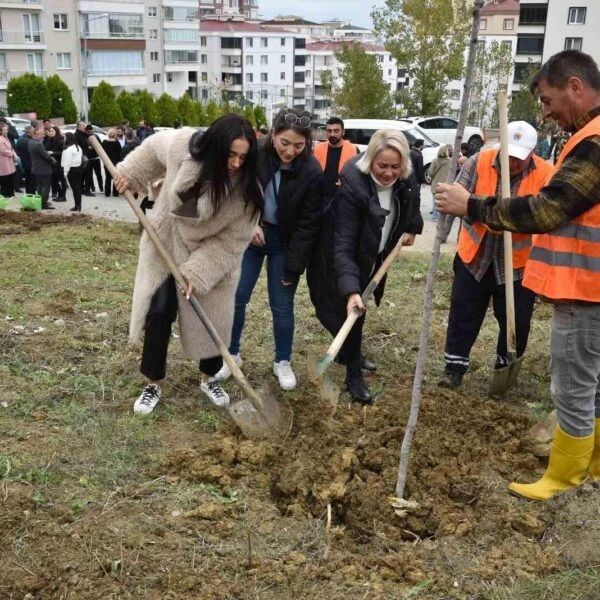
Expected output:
{"points": [[21, 38], [113, 35], [28, 4], [114, 72], [231, 62], [6, 76]]}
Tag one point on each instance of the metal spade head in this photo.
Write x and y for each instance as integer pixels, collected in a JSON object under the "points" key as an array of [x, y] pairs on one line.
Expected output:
{"points": [[505, 378]]}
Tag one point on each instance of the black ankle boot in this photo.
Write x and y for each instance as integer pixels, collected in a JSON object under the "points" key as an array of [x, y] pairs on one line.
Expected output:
{"points": [[366, 364], [359, 392]]}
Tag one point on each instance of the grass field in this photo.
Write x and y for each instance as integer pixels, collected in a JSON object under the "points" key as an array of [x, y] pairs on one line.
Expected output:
{"points": [[96, 503]]}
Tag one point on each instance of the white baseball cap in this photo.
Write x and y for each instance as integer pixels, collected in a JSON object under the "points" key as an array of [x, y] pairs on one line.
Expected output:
{"points": [[522, 139]]}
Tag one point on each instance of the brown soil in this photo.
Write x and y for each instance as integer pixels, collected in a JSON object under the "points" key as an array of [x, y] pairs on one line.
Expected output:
{"points": [[13, 222]]}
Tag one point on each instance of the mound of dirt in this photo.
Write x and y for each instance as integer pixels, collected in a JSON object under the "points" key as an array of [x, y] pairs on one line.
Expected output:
{"points": [[16, 222], [464, 454]]}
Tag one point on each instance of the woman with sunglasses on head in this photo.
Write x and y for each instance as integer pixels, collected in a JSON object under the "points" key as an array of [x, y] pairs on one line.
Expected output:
{"points": [[376, 205], [205, 214], [291, 179]]}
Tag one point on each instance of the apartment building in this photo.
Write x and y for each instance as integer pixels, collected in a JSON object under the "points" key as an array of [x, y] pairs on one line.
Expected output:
{"points": [[531, 35], [573, 24]]}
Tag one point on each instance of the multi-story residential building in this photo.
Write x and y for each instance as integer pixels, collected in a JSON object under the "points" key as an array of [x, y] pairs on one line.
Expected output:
{"points": [[531, 34], [321, 58], [345, 31], [574, 25], [312, 31], [243, 61], [498, 25]]}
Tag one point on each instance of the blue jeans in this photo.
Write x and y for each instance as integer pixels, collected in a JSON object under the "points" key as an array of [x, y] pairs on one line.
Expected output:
{"points": [[281, 298]]}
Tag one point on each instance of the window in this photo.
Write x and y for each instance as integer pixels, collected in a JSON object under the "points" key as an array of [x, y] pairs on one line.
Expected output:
{"points": [[531, 44], [282, 92], [299, 43], [533, 15], [63, 60], [522, 71], [181, 14], [249, 42], [170, 77], [116, 62], [204, 94], [508, 24], [249, 95], [264, 59], [34, 62], [117, 25], [282, 76], [204, 76], [389, 72], [264, 95], [573, 43], [153, 34], [299, 77], [283, 41], [249, 60], [203, 59], [172, 57], [507, 44], [155, 77], [483, 24], [154, 56], [282, 59], [231, 43], [455, 94], [249, 78], [264, 42], [202, 40], [61, 22], [184, 36], [577, 16], [152, 11], [2, 66], [31, 27], [264, 77]]}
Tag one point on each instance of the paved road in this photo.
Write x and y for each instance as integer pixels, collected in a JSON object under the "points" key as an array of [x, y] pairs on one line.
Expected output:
{"points": [[118, 209]]}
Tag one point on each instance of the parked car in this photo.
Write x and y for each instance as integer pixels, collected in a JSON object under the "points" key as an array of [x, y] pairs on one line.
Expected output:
{"points": [[18, 124], [443, 130], [359, 131], [101, 133]]}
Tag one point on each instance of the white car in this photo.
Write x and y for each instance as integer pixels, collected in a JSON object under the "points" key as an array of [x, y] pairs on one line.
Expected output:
{"points": [[101, 133], [359, 131], [18, 124], [443, 130]]}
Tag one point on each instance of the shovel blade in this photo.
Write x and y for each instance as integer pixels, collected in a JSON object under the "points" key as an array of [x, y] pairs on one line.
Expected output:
{"points": [[274, 422], [329, 391], [505, 378]]}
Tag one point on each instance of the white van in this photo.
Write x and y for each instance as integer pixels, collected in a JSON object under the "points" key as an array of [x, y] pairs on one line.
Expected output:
{"points": [[359, 132]]}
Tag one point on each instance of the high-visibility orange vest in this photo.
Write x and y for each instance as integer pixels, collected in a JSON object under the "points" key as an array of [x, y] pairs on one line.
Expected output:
{"points": [[564, 263], [472, 234], [348, 151]]}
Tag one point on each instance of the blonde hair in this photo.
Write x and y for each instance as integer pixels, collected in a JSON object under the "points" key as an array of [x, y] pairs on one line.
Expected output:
{"points": [[444, 151], [111, 133], [383, 139]]}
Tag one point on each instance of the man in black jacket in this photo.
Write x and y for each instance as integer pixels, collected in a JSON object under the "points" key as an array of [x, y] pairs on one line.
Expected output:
{"points": [[41, 166], [94, 166], [81, 139], [23, 152], [416, 157]]}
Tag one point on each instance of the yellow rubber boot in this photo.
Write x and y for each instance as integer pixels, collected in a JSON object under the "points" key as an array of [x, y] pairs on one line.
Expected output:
{"points": [[594, 468], [567, 467]]}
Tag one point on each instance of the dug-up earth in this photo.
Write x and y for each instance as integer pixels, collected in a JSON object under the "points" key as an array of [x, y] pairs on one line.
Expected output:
{"points": [[217, 516]]}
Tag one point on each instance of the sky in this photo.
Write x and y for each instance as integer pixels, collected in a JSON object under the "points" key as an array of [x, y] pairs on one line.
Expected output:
{"points": [[356, 11]]}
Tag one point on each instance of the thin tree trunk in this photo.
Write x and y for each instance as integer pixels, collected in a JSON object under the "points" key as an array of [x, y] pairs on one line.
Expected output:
{"points": [[435, 257]]}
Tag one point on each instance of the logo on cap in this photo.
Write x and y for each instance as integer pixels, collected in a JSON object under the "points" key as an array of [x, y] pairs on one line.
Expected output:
{"points": [[517, 136]]}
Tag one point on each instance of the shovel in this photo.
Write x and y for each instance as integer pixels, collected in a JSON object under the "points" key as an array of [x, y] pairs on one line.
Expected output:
{"points": [[258, 418], [329, 390], [505, 377]]}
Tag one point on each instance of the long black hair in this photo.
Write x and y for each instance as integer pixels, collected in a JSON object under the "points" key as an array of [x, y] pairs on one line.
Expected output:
{"points": [[69, 139], [297, 120], [212, 150]]}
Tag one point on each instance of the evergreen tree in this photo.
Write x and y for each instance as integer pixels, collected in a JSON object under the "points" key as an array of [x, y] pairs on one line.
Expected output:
{"points": [[128, 103], [62, 104], [212, 112], [260, 116], [200, 111], [146, 105], [248, 112], [29, 93], [524, 106], [166, 110], [363, 93], [104, 110], [187, 110]]}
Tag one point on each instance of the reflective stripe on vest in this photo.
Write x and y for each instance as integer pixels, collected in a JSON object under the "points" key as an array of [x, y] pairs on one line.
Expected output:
{"points": [[472, 234], [564, 264], [348, 151]]}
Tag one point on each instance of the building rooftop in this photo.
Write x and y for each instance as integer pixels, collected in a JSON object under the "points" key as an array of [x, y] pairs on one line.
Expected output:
{"points": [[289, 20], [503, 6], [353, 28], [336, 46], [208, 25]]}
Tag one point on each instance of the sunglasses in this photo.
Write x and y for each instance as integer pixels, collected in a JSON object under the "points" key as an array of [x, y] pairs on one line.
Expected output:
{"points": [[293, 119]]}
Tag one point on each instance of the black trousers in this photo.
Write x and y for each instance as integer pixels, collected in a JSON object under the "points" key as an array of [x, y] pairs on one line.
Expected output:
{"points": [[159, 321], [7, 185], [43, 186], [108, 183], [469, 303], [59, 183], [93, 166], [75, 178], [30, 182]]}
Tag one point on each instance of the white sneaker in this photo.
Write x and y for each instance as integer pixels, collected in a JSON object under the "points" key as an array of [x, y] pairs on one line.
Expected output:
{"points": [[148, 399], [287, 379], [224, 372], [214, 392]]}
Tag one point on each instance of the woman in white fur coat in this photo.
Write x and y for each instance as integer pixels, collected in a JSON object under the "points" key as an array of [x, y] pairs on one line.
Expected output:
{"points": [[205, 214]]}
